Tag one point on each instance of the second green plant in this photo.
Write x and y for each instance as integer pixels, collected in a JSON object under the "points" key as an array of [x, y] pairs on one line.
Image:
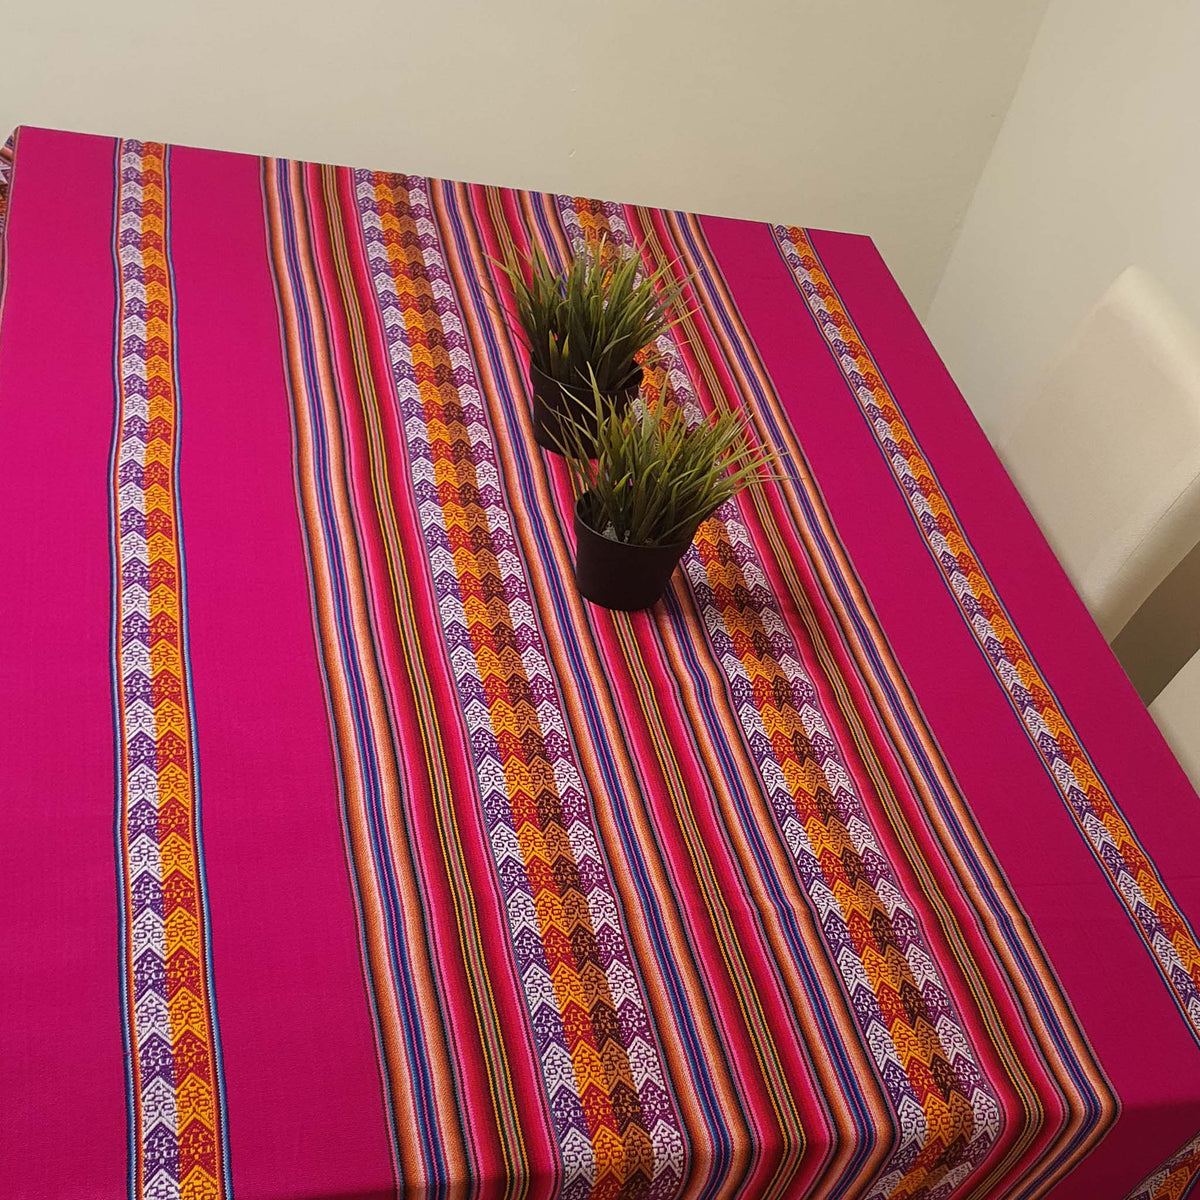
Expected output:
{"points": [[644, 481]]}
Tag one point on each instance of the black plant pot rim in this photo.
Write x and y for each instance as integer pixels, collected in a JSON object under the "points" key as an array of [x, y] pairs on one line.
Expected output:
{"points": [[632, 547]]}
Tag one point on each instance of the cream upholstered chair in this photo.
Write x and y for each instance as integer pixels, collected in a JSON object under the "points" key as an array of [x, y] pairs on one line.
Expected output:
{"points": [[1107, 455], [1177, 711]]}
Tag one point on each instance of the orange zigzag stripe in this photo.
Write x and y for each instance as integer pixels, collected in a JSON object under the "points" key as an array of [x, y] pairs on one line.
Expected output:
{"points": [[604, 1077], [146, 490]]}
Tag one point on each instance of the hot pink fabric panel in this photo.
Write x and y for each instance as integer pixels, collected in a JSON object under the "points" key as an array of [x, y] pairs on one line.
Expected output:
{"points": [[303, 1085], [60, 1012]]}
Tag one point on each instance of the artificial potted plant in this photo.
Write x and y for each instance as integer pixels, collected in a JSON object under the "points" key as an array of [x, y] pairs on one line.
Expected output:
{"points": [[644, 481], [591, 320]]}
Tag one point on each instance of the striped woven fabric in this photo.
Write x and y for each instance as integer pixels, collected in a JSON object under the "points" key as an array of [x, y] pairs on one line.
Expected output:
{"points": [[375, 862]]}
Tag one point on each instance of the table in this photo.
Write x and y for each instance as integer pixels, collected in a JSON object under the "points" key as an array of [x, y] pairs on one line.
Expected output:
{"points": [[348, 853]]}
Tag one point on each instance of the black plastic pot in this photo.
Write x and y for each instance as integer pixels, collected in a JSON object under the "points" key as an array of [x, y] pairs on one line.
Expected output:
{"points": [[551, 400], [617, 575]]}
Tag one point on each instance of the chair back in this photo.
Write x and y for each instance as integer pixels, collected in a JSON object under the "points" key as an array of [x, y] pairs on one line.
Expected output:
{"points": [[1177, 711], [1107, 454]]}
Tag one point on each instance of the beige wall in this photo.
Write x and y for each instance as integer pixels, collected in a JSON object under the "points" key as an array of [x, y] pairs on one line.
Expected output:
{"points": [[869, 115], [1097, 167]]}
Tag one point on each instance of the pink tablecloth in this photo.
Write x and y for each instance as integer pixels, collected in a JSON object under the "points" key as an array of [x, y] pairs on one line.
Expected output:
{"points": [[347, 853]]}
